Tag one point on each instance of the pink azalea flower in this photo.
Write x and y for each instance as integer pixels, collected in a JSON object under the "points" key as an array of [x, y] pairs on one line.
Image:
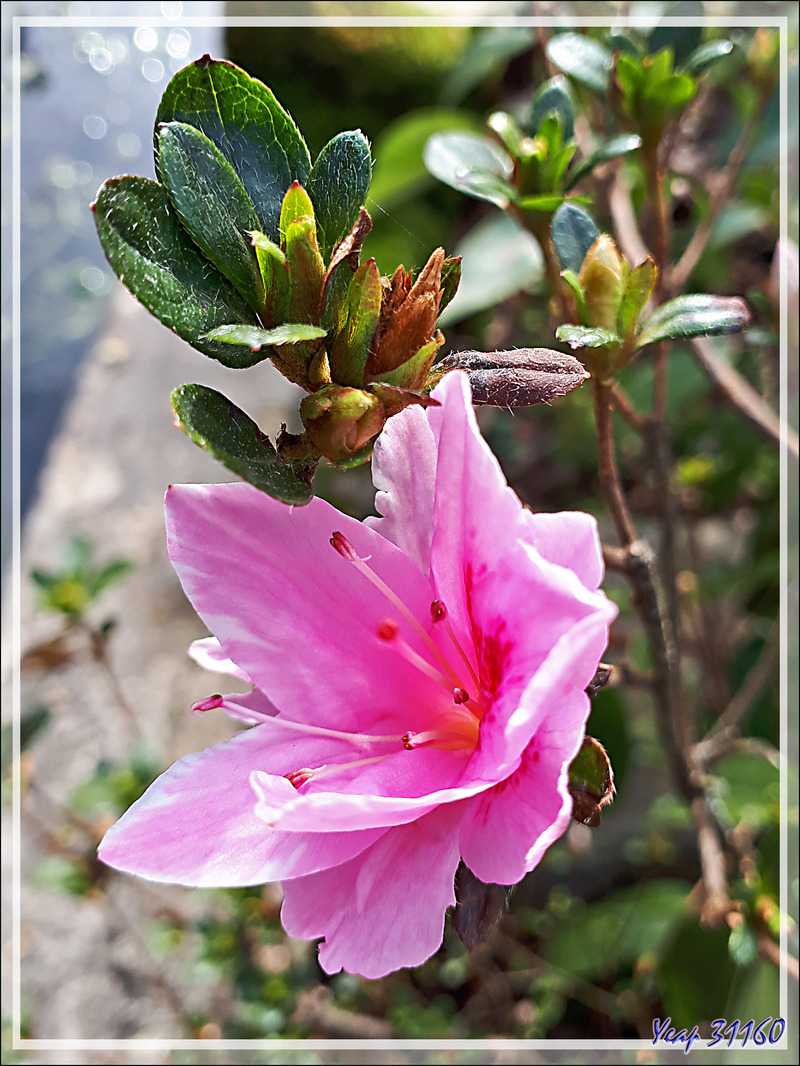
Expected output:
{"points": [[418, 692]]}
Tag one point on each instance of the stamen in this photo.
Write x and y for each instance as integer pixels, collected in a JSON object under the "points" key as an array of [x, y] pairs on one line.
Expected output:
{"points": [[210, 703], [439, 614], [389, 631], [336, 734], [347, 551], [460, 696], [330, 770], [299, 777]]}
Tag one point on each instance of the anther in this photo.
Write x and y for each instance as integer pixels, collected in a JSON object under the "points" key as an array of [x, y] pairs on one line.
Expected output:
{"points": [[299, 777], [210, 703], [460, 695], [438, 611], [343, 546]]}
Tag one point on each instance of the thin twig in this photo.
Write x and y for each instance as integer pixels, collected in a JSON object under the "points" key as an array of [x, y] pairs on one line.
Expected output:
{"points": [[625, 226], [769, 950], [717, 903], [99, 645], [607, 466], [721, 185], [741, 395], [623, 406]]}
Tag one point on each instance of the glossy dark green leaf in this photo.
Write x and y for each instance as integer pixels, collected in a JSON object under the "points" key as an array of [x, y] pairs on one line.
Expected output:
{"points": [[620, 42], [338, 187], [350, 347], [213, 206], [617, 146], [706, 55], [152, 255], [463, 160], [256, 338], [554, 95], [695, 315], [586, 336], [638, 290], [583, 58], [573, 232], [248, 125], [681, 39], [234, 439]]}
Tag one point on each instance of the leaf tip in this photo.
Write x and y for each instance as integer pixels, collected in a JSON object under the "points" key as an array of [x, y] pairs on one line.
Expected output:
{"points": [[203, 61]]}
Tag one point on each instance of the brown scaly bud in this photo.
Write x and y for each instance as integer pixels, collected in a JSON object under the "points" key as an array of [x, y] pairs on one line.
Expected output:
{"points": [[409, 310], [520, 378]]}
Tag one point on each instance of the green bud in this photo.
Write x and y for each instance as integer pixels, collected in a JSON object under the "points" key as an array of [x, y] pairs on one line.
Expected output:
{"points": [[342, 421], [602, 279], [275, 275]]}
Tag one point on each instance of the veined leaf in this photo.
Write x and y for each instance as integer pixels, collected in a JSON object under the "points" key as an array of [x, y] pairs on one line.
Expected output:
{"points": [[695, 315], [217, 425], [248, 125], [213, 206], [338, 187], [152, 255]]}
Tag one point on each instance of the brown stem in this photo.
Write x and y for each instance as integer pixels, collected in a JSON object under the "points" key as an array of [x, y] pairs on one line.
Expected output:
{"points": [[623, 406], [717, 903], [607, 466], [741, 395], [99, 645]]}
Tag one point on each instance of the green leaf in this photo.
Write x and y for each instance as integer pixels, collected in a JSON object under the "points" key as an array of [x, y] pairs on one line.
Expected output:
{"points": [[695, 974], [746, 790], [248, 125], [350, 348], [400, 172], [671, 92], [110, 574], [573, 232], [619, 42], [213, 206], [545, 202], [552, 96], [415, 368], [451, 276], [573, 281], [489, 50], [234, 439], [683, 40], [275, 276], [586, 336], [152, 255], [583, 58], [463, 160], [694, 315], [256, 338], [743, 944], [599, 939], [338, 187], [706, 55], [500, 258], [617, 146], [638, 290]]}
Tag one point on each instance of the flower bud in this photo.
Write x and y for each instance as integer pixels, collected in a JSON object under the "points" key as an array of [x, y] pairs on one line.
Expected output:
{"points": [[602, 279], [408, 317], [520, 378], [341, 421]]}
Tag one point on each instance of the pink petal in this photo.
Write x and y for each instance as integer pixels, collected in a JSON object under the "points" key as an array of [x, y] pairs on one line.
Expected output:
{"points": [[196, 825], [404, 474], [288, 609], [411, 783], [385, 908], [521, 708], [570, 539], [209, 654], [508, 828]]}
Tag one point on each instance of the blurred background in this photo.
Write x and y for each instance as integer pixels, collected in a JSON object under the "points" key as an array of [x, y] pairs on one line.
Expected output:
{"points": [[604, 935]]}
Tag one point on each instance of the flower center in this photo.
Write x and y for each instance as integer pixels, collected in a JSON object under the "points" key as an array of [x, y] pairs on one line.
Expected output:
{"points": [[455, 725]]}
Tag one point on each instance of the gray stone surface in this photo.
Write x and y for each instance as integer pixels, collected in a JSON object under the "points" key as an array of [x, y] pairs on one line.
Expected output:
{"points": [[86, 972]]}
